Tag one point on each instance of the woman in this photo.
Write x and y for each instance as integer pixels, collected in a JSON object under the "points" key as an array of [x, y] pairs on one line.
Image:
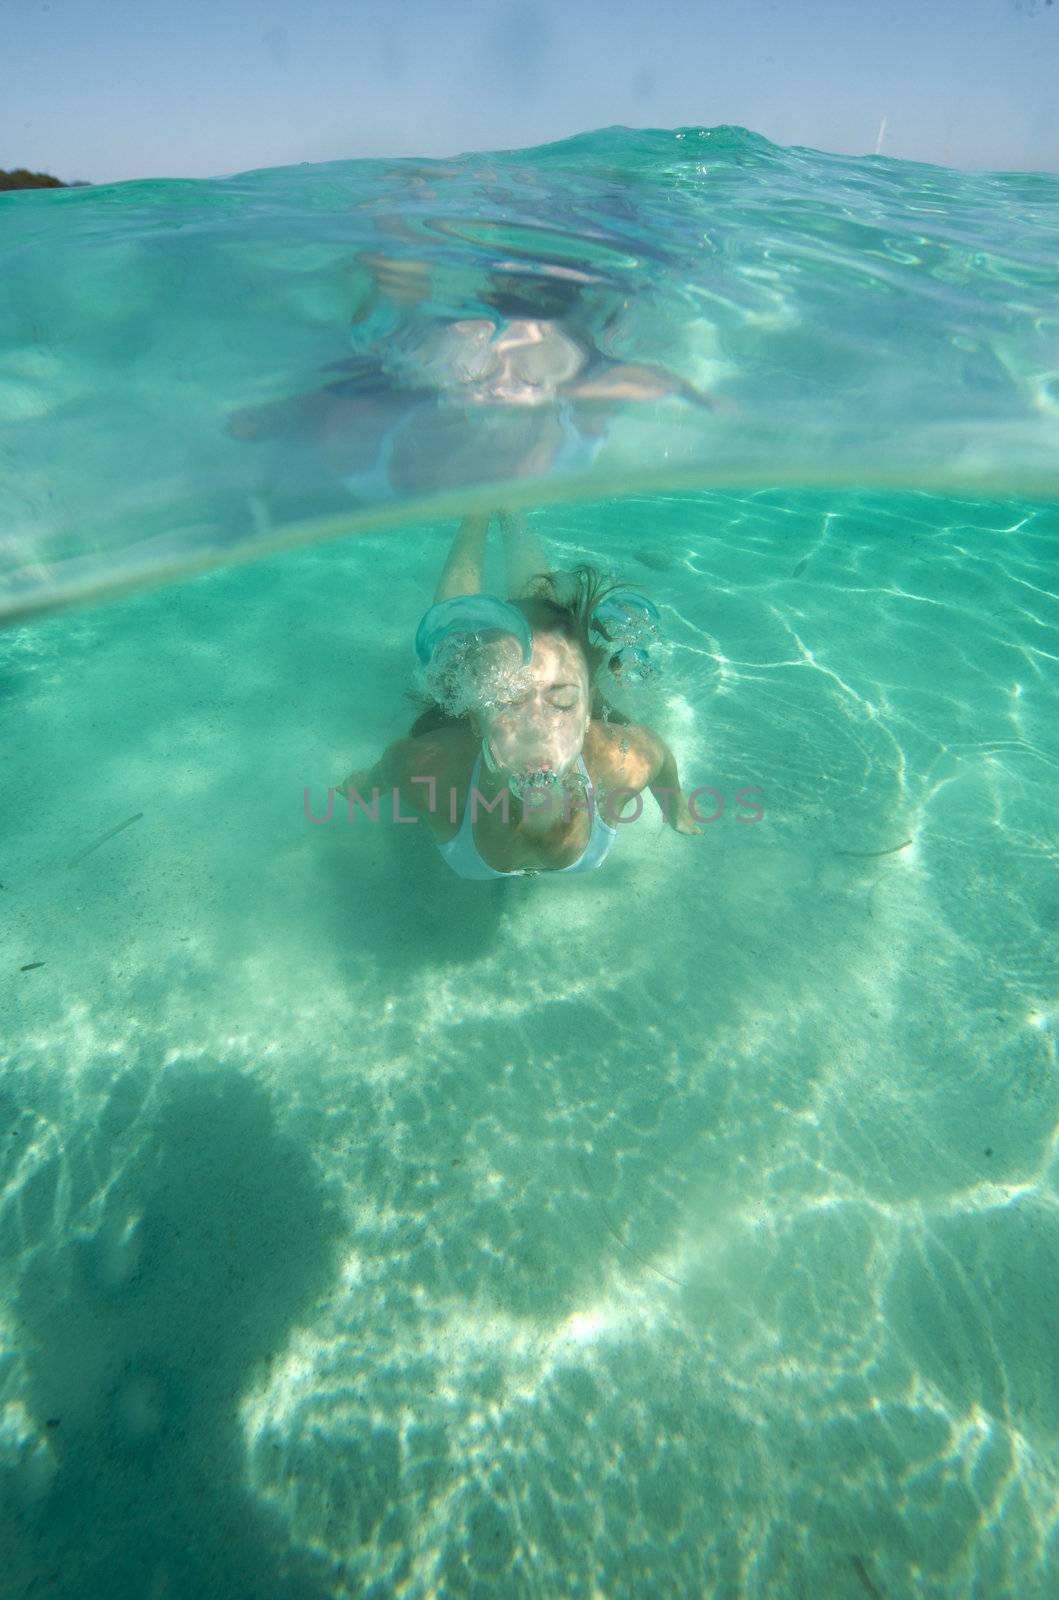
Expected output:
{"points": [[513, 767], [522, 379]]}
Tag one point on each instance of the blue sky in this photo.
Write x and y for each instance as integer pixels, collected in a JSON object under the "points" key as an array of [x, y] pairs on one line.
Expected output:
{"points": [[114, 89]]}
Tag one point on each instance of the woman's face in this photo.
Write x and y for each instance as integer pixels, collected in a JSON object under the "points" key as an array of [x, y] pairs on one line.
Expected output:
{"points": [[541, 723]]}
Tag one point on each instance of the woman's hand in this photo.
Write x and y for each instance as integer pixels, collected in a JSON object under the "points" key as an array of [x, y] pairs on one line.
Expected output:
{"points": [[681, 819], [360, 779]]}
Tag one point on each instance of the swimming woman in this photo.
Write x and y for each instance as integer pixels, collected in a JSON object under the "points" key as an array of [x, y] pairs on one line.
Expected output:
{"points": [[523, 379], [512, 766]]}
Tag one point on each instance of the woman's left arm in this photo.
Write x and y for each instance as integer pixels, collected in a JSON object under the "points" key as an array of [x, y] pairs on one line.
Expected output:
{"points": [[664, 784], [663, 780]]}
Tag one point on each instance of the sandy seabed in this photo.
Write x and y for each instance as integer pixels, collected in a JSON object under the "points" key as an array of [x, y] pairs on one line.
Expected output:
{"points": [[685, 1229]]}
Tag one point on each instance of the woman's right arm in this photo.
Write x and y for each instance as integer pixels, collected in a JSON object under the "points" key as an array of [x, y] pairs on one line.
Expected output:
{"points": [[407, 765]]}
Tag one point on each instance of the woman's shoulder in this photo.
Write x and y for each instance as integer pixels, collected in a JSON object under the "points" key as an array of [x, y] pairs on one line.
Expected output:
{"points": [[442, 752], [620, 755]]}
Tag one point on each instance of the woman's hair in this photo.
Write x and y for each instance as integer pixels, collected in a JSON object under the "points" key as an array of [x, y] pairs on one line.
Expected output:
{"points": [[531, 294], [564, 603], [552, 606]]}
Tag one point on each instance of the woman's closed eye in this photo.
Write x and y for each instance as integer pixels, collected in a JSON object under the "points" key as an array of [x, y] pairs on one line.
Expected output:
{"points": [[559, 700], [563, 696]]}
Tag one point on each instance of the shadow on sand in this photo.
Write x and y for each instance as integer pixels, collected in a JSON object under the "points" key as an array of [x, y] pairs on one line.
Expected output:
{"points": [[141, 1337]]}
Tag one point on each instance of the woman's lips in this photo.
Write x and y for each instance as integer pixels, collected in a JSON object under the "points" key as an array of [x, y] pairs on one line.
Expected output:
{"points": [[534, 760]]}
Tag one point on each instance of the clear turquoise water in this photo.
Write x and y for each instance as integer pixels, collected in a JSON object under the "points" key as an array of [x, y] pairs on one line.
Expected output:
{"points": [[171, 387], [684, 1229]]}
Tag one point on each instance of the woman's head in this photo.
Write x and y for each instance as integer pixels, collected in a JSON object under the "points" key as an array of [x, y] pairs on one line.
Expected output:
{"points": [[538, 718], [538, 722], [537, 710]]}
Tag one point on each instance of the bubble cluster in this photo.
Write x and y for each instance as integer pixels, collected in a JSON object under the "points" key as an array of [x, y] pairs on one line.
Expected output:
{"points": [[481, 672], [625, 617], [542, 785], [629, 679]]}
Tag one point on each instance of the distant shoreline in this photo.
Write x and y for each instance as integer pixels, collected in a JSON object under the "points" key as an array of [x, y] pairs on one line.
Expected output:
{"points": [[21, 178]]}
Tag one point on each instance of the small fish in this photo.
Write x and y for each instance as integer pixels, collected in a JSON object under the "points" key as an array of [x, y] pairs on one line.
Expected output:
{"points": [[87, 851], [871, 855], [30, 966], [861, 1571], [800, 568], [658, 560]]}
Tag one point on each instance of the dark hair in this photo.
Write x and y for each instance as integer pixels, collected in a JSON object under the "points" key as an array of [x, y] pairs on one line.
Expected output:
{"points": [[528, 294], [547, 611]]}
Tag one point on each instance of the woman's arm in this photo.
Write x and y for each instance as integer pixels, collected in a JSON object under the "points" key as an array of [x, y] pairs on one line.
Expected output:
{"points": [[659, 774], [364, 780], [412, 766], [664, 784]]}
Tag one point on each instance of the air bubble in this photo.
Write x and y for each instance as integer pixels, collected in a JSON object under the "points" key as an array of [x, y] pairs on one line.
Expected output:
{"points": [[467, 673]]}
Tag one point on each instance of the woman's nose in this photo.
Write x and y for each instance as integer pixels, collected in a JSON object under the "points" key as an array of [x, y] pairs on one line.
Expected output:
{"points": [[539, 710]]}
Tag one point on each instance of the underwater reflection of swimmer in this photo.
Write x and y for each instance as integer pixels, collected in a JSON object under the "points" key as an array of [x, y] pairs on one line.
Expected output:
{"points": [[520, 383], [514, 766]]}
